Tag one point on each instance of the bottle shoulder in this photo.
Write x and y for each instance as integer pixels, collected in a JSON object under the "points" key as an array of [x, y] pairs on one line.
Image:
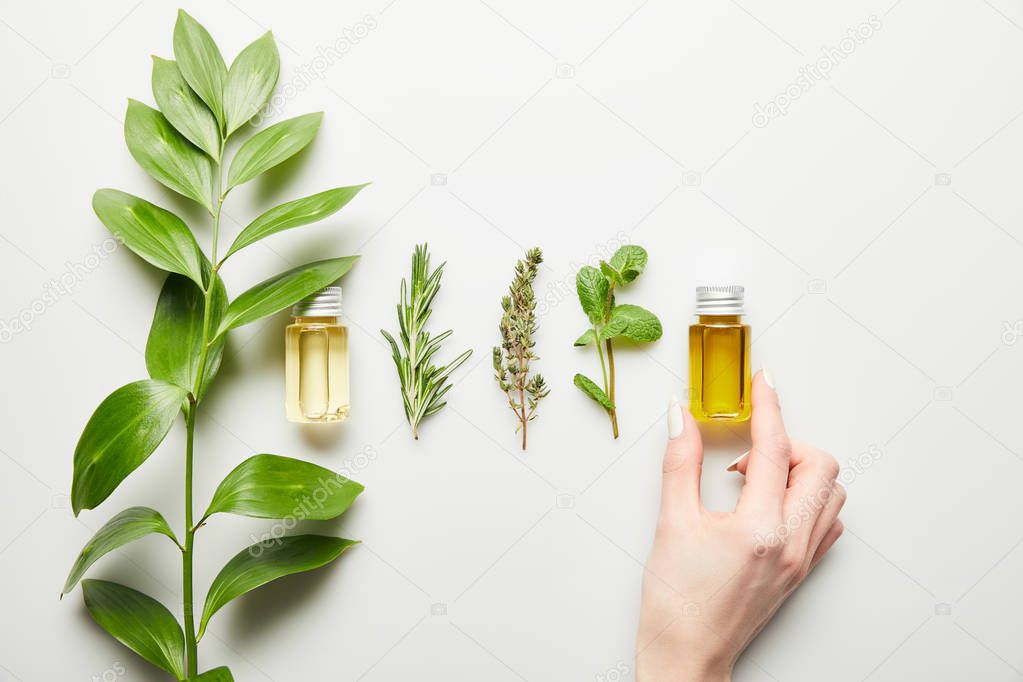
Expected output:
{"points": [[307, 322], [722, 323]]}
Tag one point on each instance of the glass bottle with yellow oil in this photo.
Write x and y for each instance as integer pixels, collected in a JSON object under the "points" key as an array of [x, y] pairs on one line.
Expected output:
{"points": [[719, 349], [316, 360]]}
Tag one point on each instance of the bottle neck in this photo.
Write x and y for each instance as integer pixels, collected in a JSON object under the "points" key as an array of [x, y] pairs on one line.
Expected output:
{"points": [[315, 319], [719, 319]]}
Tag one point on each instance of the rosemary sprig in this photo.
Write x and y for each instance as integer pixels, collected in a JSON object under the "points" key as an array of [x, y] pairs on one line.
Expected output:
{"points": [[423, 385], [518, 324]]}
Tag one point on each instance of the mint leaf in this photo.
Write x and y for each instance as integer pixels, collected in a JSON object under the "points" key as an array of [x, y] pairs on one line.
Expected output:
{"points": [[592, 288], [587, 386], [612, 275], [634, 323], [588, 337], [629, 261], [614, 327]]}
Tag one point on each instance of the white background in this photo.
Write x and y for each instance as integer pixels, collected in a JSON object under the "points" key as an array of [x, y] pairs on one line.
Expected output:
{"points": [[876, 226]]}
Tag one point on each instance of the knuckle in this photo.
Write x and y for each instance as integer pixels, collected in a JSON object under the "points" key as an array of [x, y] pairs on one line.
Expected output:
{"points": [[679, 457], [674, 460], [840, 493], [829, 466], [766, 548], [780, 444], [790, 563]]}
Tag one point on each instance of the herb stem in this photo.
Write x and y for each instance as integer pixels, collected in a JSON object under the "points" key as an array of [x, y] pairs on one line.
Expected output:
{"points": [[191, 643], [411, 397], [609, 383], [191, 653], [613, 412], [522, 398], [220, 204], [600, 353]]}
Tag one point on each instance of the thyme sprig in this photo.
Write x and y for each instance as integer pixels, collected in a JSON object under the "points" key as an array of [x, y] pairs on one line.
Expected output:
{"points": [[512, 357]]}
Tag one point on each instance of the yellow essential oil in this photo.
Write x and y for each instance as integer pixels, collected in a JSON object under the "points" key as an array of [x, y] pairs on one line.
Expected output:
{"points": [[316, 360], [719, 345]]}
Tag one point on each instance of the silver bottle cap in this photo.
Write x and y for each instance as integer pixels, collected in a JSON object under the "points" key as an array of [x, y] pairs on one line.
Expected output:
{"points": [[719, 300], [324, 303]]}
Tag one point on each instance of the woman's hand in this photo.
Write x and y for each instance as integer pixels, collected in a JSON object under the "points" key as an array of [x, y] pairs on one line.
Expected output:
{"points": [[714, 579]]}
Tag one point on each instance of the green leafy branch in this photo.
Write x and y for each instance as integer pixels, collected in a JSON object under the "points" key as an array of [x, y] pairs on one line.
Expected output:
{"points": [[518, 324], [181, 145], [610, 320], [423, 385]]}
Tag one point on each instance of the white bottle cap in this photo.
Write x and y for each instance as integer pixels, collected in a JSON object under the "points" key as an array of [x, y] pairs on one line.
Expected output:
{"points": [[719, 300], [324, 303]]}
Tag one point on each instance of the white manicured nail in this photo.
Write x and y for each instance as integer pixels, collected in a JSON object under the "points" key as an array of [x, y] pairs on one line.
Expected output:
{"points": [[734, 466], [768, 377], [675, 422]]}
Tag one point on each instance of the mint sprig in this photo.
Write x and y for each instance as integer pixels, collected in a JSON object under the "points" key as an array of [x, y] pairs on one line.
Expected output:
{"points": [[596, 290]]}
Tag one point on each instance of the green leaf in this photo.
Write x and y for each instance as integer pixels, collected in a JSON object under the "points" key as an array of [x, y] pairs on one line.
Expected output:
{"points": [[288, 288], [220, 674], [250, 81], [138, 621], [122, 432], [614, 327], [184, 109], [176, 338], [131, 524], [264, 562], [269, 147], [629, 261], [275, 487], [294, 214], [155, 234], [166, 155], [200, 62], [588, 337], [587, 386], [592, 288], [634, 323], [612, 275]]}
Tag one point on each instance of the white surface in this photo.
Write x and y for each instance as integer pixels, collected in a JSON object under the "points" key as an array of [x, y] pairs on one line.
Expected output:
{"points": [[877, 292]]}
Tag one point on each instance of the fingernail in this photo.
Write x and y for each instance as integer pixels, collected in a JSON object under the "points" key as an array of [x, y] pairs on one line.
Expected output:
{"points": [[734, 466], [675, 421], [768, 378]]}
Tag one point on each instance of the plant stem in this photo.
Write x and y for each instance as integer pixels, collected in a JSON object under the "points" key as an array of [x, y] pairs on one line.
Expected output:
{"points": [[413, 361], [220, 203], [191, 646], [521, 380], [609, 385], [600, 353], [613, 413]]}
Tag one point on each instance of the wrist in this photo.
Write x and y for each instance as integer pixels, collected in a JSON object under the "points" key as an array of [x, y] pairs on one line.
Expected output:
{"points": [[677, 667], [700, 673]]}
